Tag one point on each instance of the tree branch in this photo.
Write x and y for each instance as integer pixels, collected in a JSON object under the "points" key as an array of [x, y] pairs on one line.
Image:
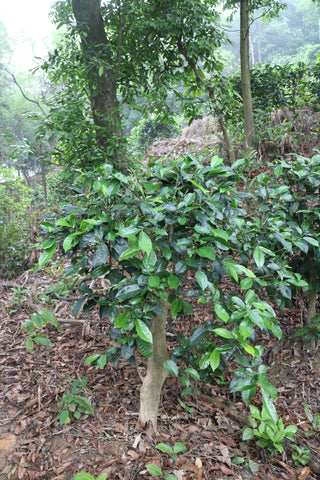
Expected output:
{"points": [[21, 90]]}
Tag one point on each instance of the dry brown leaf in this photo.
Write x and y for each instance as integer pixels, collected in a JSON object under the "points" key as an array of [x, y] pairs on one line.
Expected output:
{"points": [[225, 454], [189, 467], [226, 470], [304, 473], [100, 448]]}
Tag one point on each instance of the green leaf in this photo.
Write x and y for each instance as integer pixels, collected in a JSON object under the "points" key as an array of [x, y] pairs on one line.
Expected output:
{"points": [[128, 291], [102, 360], [173, 281], [171, 367], [48, 243], [214, 359], [122, 320], [312, 241], [276, 330], [259, 257], [187, 306], [69, 242], [43, 340], [269, 406], [176, 306], [193, 373], [84, 403], [154, 281], [36, 320], [29, 345], [202, 280], [169, 476], [83, 476], [130, 252], [145, 243], [247, 395], [232, 270], [246, 283], [28, 326], [207, 252], [247, 434], [256, 318], [63, 222], [163, 447], [221, 234], [223, 332], [291, 430], [91, 359], [267, 386], [143, 331], [221, 312], [248, 348], [102, 476], [180, 447], [101, 255], [128, 231], [47, 254], [64, 417], [154, 469], [101, 70], [144, 347], [48, 317]]}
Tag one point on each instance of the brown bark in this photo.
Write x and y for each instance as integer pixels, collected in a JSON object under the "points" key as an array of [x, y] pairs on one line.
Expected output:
{"points": [[312, 306], [101, 76], [312, 311], [249, 126], [156, 373]]}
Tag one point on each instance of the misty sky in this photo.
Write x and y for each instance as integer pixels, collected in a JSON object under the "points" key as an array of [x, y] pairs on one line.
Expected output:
{"points": [[29, 28]]}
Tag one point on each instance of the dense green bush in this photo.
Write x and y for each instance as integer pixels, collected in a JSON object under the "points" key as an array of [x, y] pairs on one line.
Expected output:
{"points": [[15, 222], [278, 86]]}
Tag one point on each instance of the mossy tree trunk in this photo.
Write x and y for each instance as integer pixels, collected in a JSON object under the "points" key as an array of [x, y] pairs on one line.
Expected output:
{"points": [[153, 381]]}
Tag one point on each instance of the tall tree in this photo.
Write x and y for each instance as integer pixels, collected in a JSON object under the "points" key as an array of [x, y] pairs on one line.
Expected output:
{"points": [[249, 126], [269, 9], [101, 73], [129, 48]]}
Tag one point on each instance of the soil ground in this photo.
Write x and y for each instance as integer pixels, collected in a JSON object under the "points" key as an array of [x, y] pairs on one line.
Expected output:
{"points": [[34, 445]]}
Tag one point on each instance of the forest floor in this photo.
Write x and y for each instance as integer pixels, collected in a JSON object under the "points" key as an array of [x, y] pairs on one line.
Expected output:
{"points": [[33, 444]]}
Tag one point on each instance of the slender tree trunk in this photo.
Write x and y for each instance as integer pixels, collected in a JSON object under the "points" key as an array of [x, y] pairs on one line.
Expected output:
{"points": [[227, 140], [43, 177], [249, 126], [312, 312], [156, 373], [101, 71]]}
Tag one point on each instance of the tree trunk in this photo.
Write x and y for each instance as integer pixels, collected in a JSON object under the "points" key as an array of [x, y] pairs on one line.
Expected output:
{"points": [[43, 178], [249, 127], [227, 140], [102, 78], [312, 312], [156, 373]]}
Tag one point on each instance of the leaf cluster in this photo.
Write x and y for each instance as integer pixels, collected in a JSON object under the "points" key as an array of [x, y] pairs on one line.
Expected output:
{"points": [[267, 427]]}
